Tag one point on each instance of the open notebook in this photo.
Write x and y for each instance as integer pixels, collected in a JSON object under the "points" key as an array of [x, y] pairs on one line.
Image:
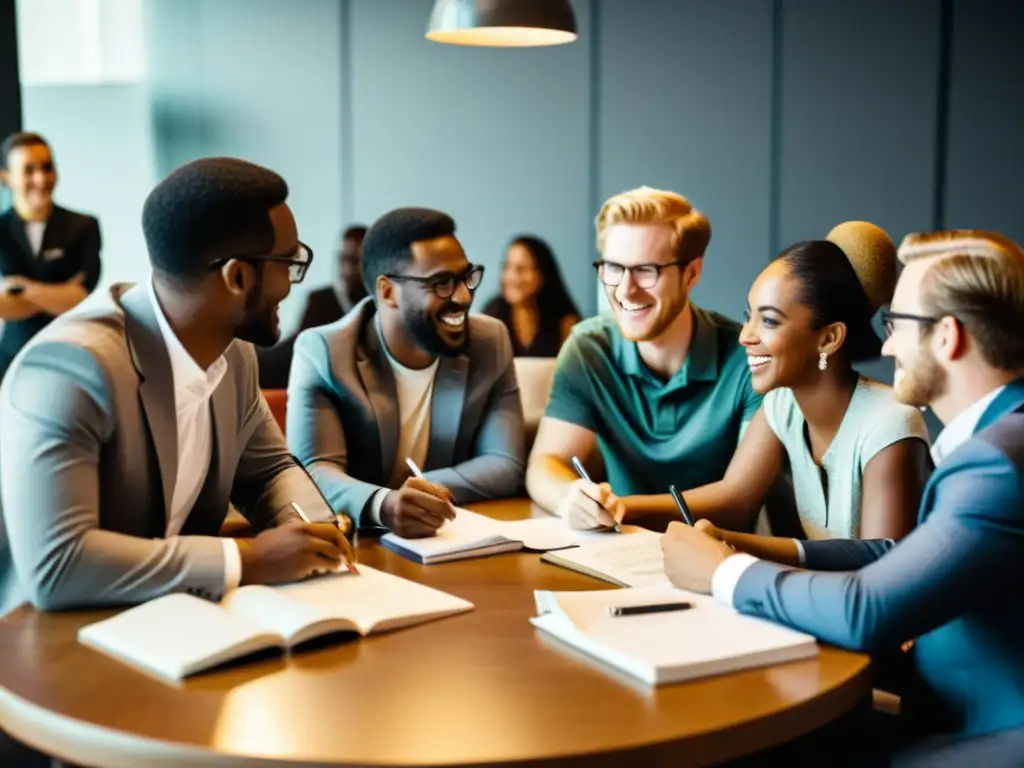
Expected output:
{"points": [[630, 560], [473, 535], [657, 648], [178, 635]]}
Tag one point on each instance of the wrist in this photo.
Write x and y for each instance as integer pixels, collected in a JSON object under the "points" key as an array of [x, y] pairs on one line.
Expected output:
{"points": [[387, 508], [250, 562]]}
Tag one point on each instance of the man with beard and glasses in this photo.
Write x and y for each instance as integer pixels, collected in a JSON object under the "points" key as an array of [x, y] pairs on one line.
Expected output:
{"points": [[656, 391], [955, 584], [131, 427], [409, 375]]}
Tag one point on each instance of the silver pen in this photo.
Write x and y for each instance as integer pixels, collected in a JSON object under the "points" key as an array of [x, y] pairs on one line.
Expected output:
{"points": [[305, 518], [417, 473], [582, 472]]}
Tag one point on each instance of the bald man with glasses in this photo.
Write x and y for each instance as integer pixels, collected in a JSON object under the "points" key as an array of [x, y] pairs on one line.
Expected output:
{"points": [[408, 379]]}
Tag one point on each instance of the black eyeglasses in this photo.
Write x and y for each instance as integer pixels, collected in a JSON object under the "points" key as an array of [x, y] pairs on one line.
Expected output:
{"points": [[644, 275], [298, 263], [888, 317], [444, 285]]}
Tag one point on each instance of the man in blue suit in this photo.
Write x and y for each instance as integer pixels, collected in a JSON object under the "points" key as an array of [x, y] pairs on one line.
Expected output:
{"points": [[955, 585]]}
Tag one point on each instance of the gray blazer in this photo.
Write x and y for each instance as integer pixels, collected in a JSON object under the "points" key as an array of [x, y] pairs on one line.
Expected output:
{"points": [[88, 460], [955, 584], [343, 413]]}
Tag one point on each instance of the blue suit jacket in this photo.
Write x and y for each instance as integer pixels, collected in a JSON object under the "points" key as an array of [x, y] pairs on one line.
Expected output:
{"points": [[955, 584]]}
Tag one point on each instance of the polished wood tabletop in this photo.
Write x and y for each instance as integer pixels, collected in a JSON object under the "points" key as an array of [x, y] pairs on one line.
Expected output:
{"points": [[481, 688]]}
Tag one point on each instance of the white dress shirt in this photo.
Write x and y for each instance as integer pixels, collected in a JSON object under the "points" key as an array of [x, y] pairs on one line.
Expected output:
{"points": [[960, 429], [415, 390], [34, 231], [955, 434], [193, 388]]}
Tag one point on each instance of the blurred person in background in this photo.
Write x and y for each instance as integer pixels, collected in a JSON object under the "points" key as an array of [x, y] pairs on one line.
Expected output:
{"points": [[534, 303], [49, 256], [323, 307]]}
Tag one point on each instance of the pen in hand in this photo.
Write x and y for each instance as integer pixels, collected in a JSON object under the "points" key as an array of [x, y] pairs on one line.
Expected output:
{"points": [[582, 472], [684, 510], [637, 610], [417, 473], [305, 518]]}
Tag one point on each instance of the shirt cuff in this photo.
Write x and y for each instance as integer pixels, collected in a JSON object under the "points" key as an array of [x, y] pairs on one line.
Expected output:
{"points": [[801, 556], [376, 502], [232, 564], [727, 576]]}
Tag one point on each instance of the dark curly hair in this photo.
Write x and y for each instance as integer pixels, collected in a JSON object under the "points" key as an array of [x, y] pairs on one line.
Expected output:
{"points": [[387, 241], [214, 207]]}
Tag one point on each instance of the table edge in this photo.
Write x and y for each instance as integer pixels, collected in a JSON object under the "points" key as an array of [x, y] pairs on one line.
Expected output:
{"points": [[75, 740]]}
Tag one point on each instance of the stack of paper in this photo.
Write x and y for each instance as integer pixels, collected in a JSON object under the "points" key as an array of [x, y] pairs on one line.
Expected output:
{"points": [[656, 648]]}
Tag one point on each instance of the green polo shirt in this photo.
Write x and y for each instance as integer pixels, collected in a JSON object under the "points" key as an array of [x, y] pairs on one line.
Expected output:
{"points": [[652, 432]]}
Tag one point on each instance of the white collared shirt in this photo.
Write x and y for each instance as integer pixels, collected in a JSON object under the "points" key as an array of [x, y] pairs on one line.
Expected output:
{"points": [[193, 388], [955, 434], [960, 429], [34, 232]]}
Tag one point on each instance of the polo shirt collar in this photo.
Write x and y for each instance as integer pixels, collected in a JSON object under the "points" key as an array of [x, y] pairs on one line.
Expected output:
{"points": [[701, 360]]}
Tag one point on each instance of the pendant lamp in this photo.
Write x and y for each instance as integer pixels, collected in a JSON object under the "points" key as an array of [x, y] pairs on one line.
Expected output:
{"points": [[502, 23]]}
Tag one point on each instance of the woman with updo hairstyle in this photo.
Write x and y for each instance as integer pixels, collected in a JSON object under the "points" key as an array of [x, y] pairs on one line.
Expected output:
{"points": [[858, 458], [533, 304]]}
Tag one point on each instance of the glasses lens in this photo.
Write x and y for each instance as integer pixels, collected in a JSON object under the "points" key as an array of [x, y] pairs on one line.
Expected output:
{"points": [[444, 288], [646, 276], [473, 278], [610, 274]]}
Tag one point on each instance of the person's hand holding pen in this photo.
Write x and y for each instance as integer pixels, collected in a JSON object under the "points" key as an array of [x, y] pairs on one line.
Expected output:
{"points": [[348, 554], [589, 505], [295, 550], [418, 508]]}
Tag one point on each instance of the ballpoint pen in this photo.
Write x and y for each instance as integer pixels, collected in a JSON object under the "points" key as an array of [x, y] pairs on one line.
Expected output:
{"points": [[417, 473], [684, 510], [305, 518], [582, 472], [638, 610]]}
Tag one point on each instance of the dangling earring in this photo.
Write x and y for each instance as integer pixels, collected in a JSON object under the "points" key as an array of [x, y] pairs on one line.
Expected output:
{"points": [[822, 361]]}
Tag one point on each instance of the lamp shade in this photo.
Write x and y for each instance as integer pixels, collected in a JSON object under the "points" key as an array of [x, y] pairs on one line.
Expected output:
{"points": [[502, 23]]}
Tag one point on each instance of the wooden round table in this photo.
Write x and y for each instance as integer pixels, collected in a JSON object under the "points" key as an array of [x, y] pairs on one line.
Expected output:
{"points": [[482, 688]]}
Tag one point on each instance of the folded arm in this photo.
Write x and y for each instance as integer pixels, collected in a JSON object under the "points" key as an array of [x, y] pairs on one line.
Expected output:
{"points": [[15, 307], [56, 420], [57, 298], [970, 544]]}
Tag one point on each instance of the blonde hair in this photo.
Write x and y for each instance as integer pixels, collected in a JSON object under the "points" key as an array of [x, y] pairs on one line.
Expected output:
{"points": [[691, 231], [978, 278]]}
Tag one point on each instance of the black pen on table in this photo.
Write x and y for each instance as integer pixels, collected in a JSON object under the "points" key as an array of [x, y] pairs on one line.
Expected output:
{"points": [[582, 472], [334, 519], [684, 510], [639, 610]]}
